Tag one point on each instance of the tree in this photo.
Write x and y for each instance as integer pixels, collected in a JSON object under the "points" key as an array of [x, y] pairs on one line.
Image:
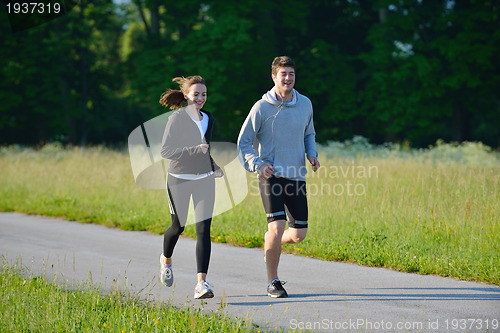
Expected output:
{"points": [[389, 70], [432, 68], [58, 74]]}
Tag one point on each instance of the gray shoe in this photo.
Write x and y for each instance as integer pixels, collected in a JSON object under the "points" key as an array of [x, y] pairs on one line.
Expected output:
{"points": [[166, 274], [203, 290], [275, 289]]}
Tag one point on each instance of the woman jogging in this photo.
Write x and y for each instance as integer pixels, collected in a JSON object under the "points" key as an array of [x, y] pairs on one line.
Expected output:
{"points": [[186, 142]]}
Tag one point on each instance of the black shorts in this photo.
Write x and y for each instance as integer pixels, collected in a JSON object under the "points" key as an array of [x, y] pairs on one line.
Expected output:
{"points": [[282, 197]]}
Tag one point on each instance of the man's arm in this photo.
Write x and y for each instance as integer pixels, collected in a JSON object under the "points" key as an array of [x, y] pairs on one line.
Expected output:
{"points": [[248, 135], [310, 144]]}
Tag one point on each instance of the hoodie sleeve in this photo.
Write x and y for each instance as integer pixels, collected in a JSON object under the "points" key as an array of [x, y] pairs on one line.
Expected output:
{"points": [[309, 137], [171, 146], [248, 135]]}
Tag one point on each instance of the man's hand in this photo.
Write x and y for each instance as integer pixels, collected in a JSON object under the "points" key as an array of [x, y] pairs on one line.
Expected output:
{"points": [[314, 163], [218, 173], [265, 171]]}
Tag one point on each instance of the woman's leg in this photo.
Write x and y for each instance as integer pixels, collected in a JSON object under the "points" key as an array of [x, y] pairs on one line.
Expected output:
{"points": [[178, 199], [203, 248], [203, 200], [170, 238]]}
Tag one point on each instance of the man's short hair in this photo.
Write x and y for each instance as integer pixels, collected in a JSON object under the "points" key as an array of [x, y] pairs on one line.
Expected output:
{"points": [[282, 61]]}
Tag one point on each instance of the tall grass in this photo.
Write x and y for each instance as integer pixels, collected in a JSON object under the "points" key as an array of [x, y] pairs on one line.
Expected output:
{"points": [[38, 304], [433, 211]]}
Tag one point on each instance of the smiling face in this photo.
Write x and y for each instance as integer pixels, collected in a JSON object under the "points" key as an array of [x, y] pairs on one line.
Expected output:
{"points": [[284, 80], [196, 95]]}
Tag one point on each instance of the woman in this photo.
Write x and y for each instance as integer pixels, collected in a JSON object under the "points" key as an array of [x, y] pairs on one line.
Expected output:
{"points": [[186, 142]]}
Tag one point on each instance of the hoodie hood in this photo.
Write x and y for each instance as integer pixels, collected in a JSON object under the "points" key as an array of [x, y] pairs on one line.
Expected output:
{"points": [[270, 97]]}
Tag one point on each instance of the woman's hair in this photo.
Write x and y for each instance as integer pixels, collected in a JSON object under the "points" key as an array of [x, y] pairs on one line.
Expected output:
{"points": [[175, 98]]}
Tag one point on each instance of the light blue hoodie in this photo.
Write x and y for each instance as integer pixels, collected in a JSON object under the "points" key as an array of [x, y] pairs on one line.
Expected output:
{"points": [[279, 134]]}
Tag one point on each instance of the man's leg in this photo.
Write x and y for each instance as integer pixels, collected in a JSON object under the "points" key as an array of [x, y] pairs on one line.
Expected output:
{"points": [[272, 247], [293, 235], [290, 236], [297, 211]]}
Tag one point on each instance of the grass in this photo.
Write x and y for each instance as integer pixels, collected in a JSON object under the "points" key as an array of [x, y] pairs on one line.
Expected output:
{"points": [[433, 211], [40, 304]]}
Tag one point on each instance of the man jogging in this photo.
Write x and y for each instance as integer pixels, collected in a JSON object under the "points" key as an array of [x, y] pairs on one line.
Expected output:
{"points": [[282, 124]]}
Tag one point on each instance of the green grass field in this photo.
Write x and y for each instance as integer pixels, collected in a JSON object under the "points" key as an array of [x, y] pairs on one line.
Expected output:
{"points": [[433, 211], [39, 304]]}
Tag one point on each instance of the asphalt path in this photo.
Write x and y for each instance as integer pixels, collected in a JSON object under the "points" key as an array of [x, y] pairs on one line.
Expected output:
{"points": [[323, 296]]}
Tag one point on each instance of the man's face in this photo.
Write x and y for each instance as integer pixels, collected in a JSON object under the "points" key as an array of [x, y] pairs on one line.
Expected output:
{"points": [[284, 80]]}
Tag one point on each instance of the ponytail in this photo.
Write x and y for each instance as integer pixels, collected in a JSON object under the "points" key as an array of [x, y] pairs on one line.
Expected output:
{"points": [[172, 98], [175, 98]]}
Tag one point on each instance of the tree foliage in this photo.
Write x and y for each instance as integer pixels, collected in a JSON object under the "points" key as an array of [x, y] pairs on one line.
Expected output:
{"points": [[416, 70]]}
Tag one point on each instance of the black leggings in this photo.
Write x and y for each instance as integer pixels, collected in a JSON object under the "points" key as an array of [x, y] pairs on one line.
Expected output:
{"points": [[179, 193]]}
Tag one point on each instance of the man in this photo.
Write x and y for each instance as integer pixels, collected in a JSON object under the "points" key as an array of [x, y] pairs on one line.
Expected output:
{"points": [[282, 123]]}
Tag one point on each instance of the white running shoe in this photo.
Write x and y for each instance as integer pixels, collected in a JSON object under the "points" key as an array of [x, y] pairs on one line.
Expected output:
{"points": [[203, 290], [166, 273]]}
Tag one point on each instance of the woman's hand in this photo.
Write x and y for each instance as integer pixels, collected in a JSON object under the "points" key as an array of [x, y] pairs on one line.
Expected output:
{"points": [[204, 147]]}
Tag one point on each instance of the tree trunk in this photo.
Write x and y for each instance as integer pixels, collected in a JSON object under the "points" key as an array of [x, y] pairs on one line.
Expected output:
{"points": [[388, 135], [83, 77], [382, 15], [42, 129], [143, 17], [460, 124], [65, 88], [70, 120], [155, 18]]}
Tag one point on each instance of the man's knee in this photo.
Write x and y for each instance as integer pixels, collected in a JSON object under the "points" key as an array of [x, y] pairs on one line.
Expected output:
{"points": [[298, 235], [277, 227]]}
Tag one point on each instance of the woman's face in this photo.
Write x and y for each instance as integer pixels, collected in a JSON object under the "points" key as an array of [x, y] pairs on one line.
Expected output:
{"points": [[197, 95]]}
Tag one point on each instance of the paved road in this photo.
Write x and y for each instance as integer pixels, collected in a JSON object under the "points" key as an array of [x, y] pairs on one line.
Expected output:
{"points": [[324, 296]]}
